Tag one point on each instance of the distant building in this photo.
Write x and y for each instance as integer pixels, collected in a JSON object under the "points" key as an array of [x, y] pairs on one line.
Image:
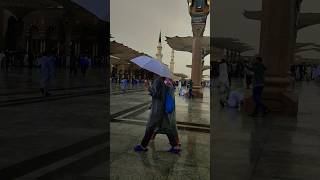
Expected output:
{"points": [[63, 27], [172, 61], [159, 54]]}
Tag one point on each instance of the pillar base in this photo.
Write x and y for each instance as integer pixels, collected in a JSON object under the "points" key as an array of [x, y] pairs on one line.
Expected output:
{"points": [[276, 97], [197, 92]]}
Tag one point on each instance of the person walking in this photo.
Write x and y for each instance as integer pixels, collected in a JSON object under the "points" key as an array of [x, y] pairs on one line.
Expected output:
{"points": [[313, 74], [123, 85], [30, 61], [7, 60], [223, 82], [248, 78], [2, 58], [235, 99], [317, 74], [258, 86], [169, 123], [46, 63], [297, 72], [157, 116], [180, 87], [73, 66], [308, 72], [190, 88], [84, 63]]}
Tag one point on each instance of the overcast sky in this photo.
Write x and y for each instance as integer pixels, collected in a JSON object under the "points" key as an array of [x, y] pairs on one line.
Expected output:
{"points": [[228, 21], [137, 24]]}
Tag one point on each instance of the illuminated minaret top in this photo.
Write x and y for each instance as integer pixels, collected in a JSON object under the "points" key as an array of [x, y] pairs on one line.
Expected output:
{"points": [[159, 49], [172, 61]]}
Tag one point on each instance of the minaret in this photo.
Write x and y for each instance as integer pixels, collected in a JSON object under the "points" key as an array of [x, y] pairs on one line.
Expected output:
{"points": [[159, 49], [172, 61]]}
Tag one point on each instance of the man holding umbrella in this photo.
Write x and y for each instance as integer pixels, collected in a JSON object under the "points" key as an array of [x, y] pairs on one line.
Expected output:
{"points": [[158, 110]]}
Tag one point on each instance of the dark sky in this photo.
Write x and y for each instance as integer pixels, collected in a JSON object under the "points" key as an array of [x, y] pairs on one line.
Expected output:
{"points": [[229, 22]]}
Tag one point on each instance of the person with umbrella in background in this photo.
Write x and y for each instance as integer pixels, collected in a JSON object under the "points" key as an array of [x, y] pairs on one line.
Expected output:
{"points": [[158, 108]]}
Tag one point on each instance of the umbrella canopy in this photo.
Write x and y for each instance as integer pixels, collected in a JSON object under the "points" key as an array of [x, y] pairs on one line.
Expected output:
{"points": [[153, 65]]}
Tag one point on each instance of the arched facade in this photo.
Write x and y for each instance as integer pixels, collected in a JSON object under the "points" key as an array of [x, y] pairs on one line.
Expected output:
{"points": [[51, 25]]}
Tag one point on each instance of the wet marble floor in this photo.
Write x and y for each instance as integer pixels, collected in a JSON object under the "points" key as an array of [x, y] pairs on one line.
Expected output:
{"points": [[193, 111], [32, 126], [270, 148], [194, 161]]}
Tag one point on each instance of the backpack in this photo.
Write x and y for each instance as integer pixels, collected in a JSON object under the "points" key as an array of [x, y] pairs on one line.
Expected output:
{"points": [[170, 104]]}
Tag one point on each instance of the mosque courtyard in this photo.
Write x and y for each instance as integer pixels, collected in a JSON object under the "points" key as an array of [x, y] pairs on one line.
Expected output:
{"points": [[52, 137], [273, 147], [127, 129], [59, 136]]}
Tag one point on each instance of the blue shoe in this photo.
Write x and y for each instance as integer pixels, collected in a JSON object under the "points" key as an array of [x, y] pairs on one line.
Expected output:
{"points": [[139, 148], [175, 151]]}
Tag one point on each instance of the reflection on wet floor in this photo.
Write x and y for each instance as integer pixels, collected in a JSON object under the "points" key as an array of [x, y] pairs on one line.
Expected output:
{"points": [[194, 161], [188, 110], [39, 133], [269, 148]]}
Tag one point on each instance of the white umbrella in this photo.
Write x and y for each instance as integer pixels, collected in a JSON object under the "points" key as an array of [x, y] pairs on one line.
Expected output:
{"points": [[100, 8], [153, 65]]}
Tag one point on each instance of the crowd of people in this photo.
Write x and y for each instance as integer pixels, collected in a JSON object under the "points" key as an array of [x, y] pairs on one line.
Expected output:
{"points": [[253, 72], [184, 87], [241, 69], [305, 72], [14, 59], [48, 63]]}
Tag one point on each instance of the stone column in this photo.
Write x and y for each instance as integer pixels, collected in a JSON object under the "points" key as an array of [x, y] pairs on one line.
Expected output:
{"points": [[123, 71], [44, 46], [68, 41], [58, 48], [27, 48], [2, 23], [40, 47], [198, 29], [277, 43], [228, 55], [93, 54]]}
